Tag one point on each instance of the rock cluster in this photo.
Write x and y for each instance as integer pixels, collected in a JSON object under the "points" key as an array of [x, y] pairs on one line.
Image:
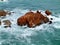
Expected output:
{"points": [[7, 23], [32, 19]]}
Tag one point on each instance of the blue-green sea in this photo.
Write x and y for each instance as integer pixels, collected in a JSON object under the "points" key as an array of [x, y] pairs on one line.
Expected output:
{"points": [[45, 34]]}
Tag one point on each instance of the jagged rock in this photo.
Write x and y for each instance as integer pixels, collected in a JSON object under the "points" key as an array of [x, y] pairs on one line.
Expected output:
{"points": [[48, 12], [32, 19], [7, 23]]}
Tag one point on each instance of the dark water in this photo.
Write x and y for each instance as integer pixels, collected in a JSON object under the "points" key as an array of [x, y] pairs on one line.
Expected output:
{"points": [[40, 35]]}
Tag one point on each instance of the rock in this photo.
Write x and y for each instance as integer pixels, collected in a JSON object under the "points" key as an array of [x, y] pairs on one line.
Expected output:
{"points": [[48, 12], [7, 23], [21, 21], [2, 13], [50, 22], [7, 26], [45, 20], [51, 18], [25, 19], [32, 19], [0, 22]]}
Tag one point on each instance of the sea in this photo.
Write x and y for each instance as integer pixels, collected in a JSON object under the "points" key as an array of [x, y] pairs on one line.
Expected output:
{"points": [[45, 34]]}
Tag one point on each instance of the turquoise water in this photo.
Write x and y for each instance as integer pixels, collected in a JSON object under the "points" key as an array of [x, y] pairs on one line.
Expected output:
{"points": [[41, 35]]}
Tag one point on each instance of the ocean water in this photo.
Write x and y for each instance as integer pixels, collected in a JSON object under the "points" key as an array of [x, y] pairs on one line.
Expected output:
{"points": [[45, 34]]}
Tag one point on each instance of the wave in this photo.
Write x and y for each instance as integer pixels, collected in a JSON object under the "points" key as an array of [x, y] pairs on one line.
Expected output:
{"points": [[22, 34]]}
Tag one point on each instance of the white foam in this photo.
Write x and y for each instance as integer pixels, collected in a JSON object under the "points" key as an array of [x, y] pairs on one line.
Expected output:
{"points": [[18, 12], [22, 31], [3, 0], [43, 13]]}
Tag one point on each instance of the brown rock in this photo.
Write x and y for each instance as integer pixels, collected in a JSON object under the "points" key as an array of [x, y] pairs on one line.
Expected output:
{"points": [[32, 19], [25, 19], [45, 20], [48, 12], [3, 13], [21, 21]]}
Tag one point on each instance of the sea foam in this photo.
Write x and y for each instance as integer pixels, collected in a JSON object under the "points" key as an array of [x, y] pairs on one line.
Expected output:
{"points": [[24, 32], [19, 12], [3, 0]]}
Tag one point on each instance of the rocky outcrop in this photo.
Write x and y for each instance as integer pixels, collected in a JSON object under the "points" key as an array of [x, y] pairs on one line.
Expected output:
{"points": [[48, 12], [32, 19]]}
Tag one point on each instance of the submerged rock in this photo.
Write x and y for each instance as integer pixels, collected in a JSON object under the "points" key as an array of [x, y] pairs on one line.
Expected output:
{"points": [[32, 19], [7, 23]]}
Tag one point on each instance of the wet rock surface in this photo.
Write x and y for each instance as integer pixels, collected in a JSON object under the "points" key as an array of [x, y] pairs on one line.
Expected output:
{"points": [[32, 19], [48, 12], [7, 23], [0, 22], [4, 13], [4, 20]]}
